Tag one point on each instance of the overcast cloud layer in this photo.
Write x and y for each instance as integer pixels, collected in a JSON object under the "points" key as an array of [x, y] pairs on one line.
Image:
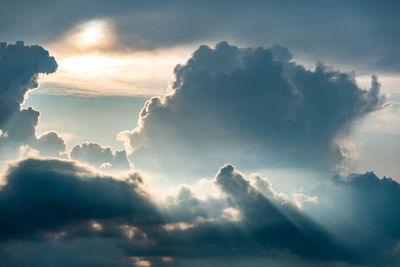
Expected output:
{"points": [[359, 34]]}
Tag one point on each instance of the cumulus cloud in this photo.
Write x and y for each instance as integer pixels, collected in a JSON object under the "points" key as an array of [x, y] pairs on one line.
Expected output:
{"points": [[264, 186], [19, 69], [50, 144], [252, 106], [100, 156], [186, 209], [20, 127], [20, 66]]}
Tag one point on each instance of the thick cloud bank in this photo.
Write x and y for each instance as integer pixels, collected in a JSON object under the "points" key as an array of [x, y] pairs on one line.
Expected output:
{"points": [[100, 157], [58, 204], [340, 31], [20, 66], [59, 211], [252, 106], [243, 224], [60, 196]]}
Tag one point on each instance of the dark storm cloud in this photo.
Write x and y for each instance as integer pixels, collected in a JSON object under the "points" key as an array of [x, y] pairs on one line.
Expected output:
{"points": [[251, 106], [79, 252], [266, 229], [20, 66], [55, 206], [361, 34], [358, 212], [100, 156], [284, 219], [365, 208], [47, 195]]}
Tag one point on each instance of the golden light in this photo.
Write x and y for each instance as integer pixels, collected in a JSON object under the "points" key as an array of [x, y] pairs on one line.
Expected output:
{"points": [[92, 60], [92, 65], [140, 261], [95, 35], [104, 74]]}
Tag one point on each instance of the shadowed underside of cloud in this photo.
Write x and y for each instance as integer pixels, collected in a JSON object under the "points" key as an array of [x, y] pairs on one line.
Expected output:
{"points": [[59, 204], [252, 106], [55, 196], [20, 66], [100, 157]]}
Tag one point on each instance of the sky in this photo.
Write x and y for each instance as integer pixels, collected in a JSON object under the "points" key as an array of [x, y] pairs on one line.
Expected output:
{"points": [[193, 133]]}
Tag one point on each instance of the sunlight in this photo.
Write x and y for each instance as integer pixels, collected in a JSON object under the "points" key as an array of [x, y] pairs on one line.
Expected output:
{"points": [[92, 33], [96, 72], [88, 63], [92, 65], [87, 37], [140, 261]]}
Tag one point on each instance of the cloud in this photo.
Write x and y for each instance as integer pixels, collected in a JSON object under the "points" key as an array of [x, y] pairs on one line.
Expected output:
{"points": [[264, 230], [100, 156], [52, 205], [185, 209], [361, 210], [276, 217], [251, 106], [79, 252], [331, 27], [49, 195], [50, 144], [20, 127], [20, 66], [264, 186]]}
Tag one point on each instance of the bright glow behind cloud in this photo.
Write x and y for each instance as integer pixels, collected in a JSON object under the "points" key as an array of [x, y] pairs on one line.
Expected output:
{"points": [[100, 74], [90, 36], [89, 64], [92, 32]]}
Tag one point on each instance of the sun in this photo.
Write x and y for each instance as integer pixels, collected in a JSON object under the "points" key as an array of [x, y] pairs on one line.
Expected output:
{"points": [[88, 62], [92, 33], [93, 36]]}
